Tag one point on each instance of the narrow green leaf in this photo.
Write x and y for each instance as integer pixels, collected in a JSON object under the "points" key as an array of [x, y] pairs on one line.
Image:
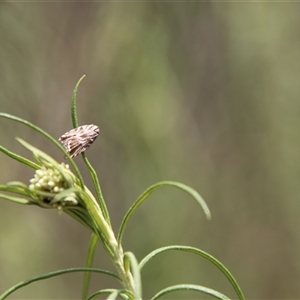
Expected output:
{"points": [[19, 158], [80, 215], [91, 170], [73, 104], [89, 263], [17, 184], [49, 137], [15, 199], [38, 153], [20, 188], [201, 253], [97, 187], [113, 293], [104, 291], [53, 274], [130, 263], [150, 190], [48, 161], [16, 188], [100, 226], [190, 287]]}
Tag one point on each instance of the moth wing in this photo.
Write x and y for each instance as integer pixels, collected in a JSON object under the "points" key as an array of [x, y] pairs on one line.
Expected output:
{"points": [[78, 139]]}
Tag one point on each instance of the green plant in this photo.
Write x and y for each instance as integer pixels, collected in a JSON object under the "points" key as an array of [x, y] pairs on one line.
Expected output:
{"points": [[56, 186]]}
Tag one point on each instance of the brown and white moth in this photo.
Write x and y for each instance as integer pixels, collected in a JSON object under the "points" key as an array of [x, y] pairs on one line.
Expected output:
{"points": [[79, 139]]}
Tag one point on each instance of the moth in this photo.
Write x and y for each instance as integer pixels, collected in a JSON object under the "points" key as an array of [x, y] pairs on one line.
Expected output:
{"points": [[79, 139]]}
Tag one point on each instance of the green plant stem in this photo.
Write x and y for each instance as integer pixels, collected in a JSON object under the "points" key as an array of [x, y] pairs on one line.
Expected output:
{"points": [[97, 188], [89, 166], [106, 235], [126, 277]]}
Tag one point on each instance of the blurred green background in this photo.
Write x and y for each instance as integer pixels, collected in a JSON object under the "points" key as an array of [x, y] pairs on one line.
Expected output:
{"points": [[202, 93]]}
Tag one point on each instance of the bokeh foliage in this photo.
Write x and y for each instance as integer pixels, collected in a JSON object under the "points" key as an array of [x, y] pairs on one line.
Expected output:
{"points": [[202, 93]]}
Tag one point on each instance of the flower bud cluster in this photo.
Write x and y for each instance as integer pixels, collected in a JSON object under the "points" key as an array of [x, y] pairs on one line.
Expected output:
{"points": [[49, 180]]}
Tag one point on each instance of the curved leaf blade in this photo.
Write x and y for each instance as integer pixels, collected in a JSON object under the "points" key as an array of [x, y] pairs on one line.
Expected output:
{"points": [[49, 137], [201, 253], [73, 103], [104, 291], [19, 158], [16, 187], [91, 170], [150, 190], [113, 294], [15, 199], [53, 274], [130, 263], [190, 287]]}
